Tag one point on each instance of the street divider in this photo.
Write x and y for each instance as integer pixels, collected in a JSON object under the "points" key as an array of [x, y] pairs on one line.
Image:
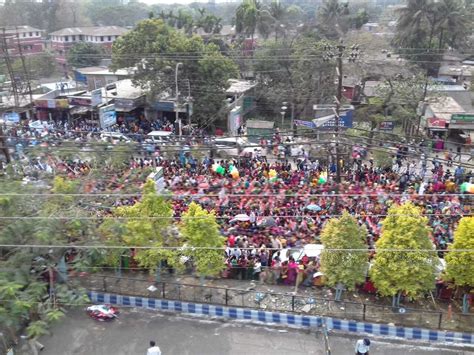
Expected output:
{"points": [[284, 319]]}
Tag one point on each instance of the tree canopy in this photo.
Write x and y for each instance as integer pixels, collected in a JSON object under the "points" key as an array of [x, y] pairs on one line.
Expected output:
{"points": [[85, 55], [398, 267], [155, 49], [199, 229], [342, 267], [460, 264]]}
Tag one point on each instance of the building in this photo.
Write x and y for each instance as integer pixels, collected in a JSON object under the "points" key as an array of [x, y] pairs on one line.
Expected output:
{"points": [[30, 40], [99, 77], [241, 100], [438, 112], [63, 40]]}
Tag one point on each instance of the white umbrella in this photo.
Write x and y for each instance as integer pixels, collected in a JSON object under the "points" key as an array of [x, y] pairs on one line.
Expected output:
{"points": [[313, 250], [240, 218]]}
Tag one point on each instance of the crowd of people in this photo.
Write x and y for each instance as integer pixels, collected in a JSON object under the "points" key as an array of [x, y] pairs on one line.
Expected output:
{"points": [[278, 204]]}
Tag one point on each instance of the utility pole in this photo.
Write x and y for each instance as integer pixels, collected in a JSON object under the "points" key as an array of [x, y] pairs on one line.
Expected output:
{"points": [[23, 64], [340, 50], [178, 120], [8, 63], [4, 148]]}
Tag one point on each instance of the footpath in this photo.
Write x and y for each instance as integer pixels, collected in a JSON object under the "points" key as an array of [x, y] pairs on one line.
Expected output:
{"points": [[312, 301]]}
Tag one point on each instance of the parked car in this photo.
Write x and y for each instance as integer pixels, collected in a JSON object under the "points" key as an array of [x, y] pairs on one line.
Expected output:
{"points": [[114, 137], [159, 137], [234, 147]]}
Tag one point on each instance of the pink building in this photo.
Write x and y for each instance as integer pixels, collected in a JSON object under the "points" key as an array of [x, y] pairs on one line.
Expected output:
{"points": [[30, 40], [63, 40]]}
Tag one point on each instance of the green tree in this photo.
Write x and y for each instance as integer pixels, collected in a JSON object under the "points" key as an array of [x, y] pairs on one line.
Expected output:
{"points": [[343, 268], [293, 71], [37, 66], [333, 19], [426, 27], [200, 230], [145, 224], [398, 267], [85, 55], [252, 16], [206, 69], [460, 264]]}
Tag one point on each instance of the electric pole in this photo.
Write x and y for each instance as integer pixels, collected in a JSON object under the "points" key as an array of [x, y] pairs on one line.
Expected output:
{"points": [[338, 52]]}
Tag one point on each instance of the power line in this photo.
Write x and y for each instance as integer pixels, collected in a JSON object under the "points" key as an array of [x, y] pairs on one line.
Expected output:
{"points": [[60, 218], [223, 248]]}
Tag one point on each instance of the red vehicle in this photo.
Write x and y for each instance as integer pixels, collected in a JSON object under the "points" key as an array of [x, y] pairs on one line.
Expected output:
{"points": [[102, 312]]}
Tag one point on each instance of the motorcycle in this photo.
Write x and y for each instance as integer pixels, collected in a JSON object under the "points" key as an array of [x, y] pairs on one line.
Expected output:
{"points": [[102, 312]]}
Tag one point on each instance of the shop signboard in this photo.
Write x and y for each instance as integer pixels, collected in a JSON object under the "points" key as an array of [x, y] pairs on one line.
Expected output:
{"points": [[235, 119], [387, 125], [52, 103], [96, 97], [436, 123], [107, 116], [345, 121], [463, 118], [125, 104], [79, 101], [11, 117], [308, 124], [165, 106]]}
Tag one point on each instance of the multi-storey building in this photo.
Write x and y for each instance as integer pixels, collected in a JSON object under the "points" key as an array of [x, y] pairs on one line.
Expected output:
{"points": [[63, 40], [25, 38]]}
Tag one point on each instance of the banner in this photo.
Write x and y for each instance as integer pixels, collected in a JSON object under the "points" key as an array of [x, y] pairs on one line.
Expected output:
{"points": [[307, 124], [387, 126], [107, 116], [96, 97]]}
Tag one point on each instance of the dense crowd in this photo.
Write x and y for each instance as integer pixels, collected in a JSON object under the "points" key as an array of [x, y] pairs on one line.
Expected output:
{"points": [[281, 205]]}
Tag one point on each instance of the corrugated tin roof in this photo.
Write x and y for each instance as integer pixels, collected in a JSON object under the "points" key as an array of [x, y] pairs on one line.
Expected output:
{"points": [[91, 31]]}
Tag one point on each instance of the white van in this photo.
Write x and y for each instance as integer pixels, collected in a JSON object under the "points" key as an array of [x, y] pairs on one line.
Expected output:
{"points": [[159, 137], [114, 137], [230, 147]]}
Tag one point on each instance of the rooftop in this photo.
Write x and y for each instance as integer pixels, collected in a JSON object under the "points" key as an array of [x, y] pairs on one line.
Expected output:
{"points": [[104, 71], [91, 31], [239, 86], [444, 105], [20, 29]]}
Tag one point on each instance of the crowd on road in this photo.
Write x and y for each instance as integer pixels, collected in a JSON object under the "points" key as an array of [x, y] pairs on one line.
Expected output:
{"points": [[278, 204]]}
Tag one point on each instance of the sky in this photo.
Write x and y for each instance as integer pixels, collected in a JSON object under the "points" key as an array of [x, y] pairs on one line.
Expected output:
{"points": [[150, 2]]}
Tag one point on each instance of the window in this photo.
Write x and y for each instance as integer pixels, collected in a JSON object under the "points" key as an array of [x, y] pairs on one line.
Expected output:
{"points": [[73, 38], [27, 48], [24, 35], [102, 38], [81, 37], [66, 38], [31, 34], [37, 34], [110, 38]]}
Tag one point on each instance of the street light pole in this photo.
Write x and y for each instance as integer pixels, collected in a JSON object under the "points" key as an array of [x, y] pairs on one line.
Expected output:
{"points": [[178, 120], [340, 52]]}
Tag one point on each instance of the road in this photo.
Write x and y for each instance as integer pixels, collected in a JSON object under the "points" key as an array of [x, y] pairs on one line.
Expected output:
{"points": [[79, 335]]}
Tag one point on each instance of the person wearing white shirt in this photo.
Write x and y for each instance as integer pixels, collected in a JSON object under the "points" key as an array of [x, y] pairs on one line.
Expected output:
{"points": [[362, 347], [153, 349]]}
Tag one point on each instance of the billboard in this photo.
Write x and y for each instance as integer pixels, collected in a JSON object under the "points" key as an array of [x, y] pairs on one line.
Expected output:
{"points": [[345, 121], [235, 119], [386, 126], [96, 97], [11, 117], [107, 116]]}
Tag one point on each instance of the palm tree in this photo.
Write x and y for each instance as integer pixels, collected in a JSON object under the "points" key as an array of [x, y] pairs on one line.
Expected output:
{"points": [[278, 16], [331, 18], [416, 23], [453, 22], [251, 16]]}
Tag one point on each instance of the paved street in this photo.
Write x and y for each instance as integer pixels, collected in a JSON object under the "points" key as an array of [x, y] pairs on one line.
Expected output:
{"points": [[130, 334]]}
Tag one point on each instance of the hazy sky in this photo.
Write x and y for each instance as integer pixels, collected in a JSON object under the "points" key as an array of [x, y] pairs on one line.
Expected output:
{"points": [[179, 1]]}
